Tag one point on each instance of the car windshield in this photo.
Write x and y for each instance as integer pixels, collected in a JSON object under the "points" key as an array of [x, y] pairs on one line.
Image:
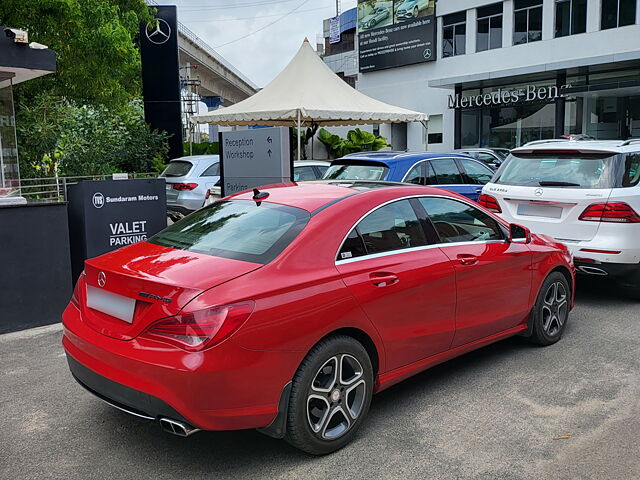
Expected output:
{"points": [[239, 229], [177, 168], [575, 170], [356, 171]]}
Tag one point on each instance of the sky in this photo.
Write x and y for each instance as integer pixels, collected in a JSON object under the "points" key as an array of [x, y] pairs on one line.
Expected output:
{"points": [[229, 25]]}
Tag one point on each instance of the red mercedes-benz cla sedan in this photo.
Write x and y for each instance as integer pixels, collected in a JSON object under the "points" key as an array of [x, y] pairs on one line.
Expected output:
{"points": [[286, 309]]}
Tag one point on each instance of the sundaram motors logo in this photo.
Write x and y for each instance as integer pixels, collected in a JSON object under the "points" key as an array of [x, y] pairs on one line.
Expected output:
{"points": [[98, 200]]}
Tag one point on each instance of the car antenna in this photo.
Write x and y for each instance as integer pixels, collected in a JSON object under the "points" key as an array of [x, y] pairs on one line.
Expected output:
{"points": [[258, 196]]}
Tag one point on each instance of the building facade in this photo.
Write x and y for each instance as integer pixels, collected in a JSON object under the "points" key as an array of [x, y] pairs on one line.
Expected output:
{"points": [[514, 71]]}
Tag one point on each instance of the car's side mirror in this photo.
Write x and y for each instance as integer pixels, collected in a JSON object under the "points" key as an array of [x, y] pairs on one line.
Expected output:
{"points": [[519, 234]]}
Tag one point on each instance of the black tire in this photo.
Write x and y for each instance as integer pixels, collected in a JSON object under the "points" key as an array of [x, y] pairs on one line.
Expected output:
{"points": [[631, 292], [551, 310], [345, 411], [416, 12]]}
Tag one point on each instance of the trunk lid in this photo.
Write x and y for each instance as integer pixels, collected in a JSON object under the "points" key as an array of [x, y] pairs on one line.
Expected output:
{"points": [[145, 282], [552, 211]]}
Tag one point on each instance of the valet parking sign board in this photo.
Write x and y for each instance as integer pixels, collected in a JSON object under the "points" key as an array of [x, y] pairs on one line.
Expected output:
{"points": [[255, 157], [107, 215]]}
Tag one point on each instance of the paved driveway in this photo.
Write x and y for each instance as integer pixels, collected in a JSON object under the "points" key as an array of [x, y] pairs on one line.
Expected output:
{"points": [[494, 413]]}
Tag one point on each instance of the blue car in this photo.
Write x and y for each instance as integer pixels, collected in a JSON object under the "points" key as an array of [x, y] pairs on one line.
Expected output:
{"points": [[457, 173]]}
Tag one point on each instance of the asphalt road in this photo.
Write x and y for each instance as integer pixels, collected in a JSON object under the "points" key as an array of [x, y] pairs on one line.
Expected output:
{"points": [[495, 413]]}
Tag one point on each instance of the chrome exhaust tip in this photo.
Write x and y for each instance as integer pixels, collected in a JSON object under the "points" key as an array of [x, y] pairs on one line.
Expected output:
{"points": [[592, 271], [178, 428]]}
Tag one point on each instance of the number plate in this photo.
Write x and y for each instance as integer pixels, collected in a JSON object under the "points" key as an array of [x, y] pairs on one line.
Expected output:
{"points": [[533, 210], [110, 303]]}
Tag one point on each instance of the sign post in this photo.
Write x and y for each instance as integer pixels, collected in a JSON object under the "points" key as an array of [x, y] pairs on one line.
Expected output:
{"points": [[106, 215], [255, 157]]}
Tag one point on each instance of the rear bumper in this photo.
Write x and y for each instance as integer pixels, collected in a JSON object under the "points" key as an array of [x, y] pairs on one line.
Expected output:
{"points": [[628, 275], [225, 387]]}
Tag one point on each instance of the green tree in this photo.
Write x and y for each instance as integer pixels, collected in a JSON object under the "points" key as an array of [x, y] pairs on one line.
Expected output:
{"points": [[356, 141], [97, 58]]}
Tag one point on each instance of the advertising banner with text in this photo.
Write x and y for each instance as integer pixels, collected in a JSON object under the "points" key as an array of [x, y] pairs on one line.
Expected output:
{"points": [[394, 33]]}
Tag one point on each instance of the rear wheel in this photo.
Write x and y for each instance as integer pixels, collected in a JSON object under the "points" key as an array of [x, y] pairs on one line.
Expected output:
{"points": [[551, 311], [330, 396]]}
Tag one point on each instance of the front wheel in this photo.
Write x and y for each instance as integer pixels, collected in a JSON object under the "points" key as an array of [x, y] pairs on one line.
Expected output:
{"points": [[330, 396], [551, 310], [416, 12]]}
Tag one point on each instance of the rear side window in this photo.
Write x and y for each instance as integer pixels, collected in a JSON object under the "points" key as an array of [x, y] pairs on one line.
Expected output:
{"points": [[631, 175], [212, 171], [416, 175], [342, 170], [238, 229], [447, 172], [458, 222], [178, 168], [476, 173], [392, 227], [575, 170], [301, 174]]}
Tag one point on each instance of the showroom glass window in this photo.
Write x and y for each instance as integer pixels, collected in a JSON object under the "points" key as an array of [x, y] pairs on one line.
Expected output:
{"points": [[454, 34], [489, 34], [527, 26], [571, 17], [617, 13]]}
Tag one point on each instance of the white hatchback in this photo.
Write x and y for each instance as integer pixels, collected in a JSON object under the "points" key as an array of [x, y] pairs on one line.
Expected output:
{"points": [[584, 193]]}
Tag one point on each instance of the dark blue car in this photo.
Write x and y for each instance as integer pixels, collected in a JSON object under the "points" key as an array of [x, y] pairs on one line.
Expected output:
{"points": [[458, 173]]}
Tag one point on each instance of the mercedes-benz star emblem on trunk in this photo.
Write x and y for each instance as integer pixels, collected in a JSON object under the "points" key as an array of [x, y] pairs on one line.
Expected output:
{"points": [[539, 192], [102, 279]]}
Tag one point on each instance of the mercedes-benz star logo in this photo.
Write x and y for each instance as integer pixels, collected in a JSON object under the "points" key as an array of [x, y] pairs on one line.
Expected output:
{"points": [[427, 53], [158, 31], [102, 279], [538, 192]]}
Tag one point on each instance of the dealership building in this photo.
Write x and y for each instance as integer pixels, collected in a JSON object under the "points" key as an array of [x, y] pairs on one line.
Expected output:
{"points": [[500, 74]]}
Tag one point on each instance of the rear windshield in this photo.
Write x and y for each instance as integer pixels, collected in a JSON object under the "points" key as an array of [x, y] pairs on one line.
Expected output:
{"points": [[177, 169], [572, 170], [237, 229], [343, 170]]}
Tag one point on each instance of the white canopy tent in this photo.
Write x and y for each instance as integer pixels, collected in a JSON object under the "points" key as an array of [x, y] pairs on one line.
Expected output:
{"points": [[308, 93]]}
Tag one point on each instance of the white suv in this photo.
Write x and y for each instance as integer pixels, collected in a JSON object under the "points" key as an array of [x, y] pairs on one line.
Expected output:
{"points": [[584, 193]]}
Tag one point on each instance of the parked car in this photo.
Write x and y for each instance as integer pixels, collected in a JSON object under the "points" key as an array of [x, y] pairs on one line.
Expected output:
{"points": [[458, 173], [407, 9], [303, 171], [375, 17], [286, 309], [188, 181], [492, 157], [584, 193]]}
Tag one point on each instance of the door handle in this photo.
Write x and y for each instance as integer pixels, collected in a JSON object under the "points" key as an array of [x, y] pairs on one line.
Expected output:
{"points": [[383, 279], [466, 259]]}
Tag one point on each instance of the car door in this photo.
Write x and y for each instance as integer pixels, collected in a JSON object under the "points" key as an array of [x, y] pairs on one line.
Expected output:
{"points": [[493, 276], [211, 175], [476, 175], [405, 286], [448, 176]]}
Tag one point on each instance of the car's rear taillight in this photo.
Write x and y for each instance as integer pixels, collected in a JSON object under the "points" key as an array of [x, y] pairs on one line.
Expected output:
{"points": [[75, 298], [198, 330], [617, 212], [184, 186], [490, 203]]}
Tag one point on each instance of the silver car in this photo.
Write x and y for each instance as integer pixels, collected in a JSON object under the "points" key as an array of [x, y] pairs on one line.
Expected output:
{"points": [[188, 181]]}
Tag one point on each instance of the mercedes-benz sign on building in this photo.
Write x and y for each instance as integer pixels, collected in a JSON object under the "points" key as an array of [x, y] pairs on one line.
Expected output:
{"points": [[504, 73]]}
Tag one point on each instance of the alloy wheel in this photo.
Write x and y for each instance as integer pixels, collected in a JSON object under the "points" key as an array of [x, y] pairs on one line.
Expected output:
{"points": [[555, 308], [336, 397]]}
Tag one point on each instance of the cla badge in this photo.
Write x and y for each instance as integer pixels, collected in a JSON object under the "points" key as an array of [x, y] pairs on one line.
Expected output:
{"points": [[102, 279], [538, 192], [158, 32]]}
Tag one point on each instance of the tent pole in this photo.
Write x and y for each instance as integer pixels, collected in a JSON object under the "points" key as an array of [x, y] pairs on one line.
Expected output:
{"points": [[299, 140]]}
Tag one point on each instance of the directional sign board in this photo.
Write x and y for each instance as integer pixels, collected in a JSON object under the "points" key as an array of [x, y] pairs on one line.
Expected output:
{"points": [[251, 158]]}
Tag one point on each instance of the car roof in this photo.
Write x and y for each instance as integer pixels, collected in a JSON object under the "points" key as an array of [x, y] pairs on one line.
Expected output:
{"points": [[581, 145], [311, 163], [196, 158], [397, 158], [311, 196]]}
